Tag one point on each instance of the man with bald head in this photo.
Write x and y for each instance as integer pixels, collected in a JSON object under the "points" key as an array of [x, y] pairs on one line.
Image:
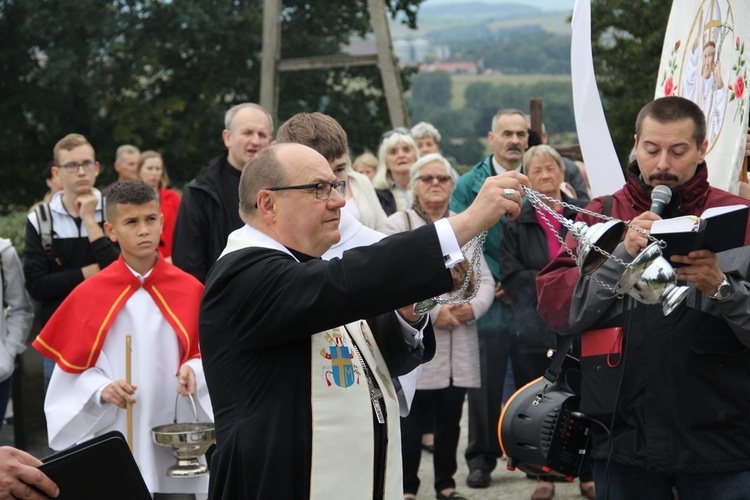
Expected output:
{"points": [[299, 352], [208, 211]]}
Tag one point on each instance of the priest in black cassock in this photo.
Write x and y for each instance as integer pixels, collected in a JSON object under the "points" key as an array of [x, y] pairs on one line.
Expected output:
{"points": [[299, 352]]}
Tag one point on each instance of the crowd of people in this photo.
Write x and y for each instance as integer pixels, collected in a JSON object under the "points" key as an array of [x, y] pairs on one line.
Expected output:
{"points": [[278, 292]]}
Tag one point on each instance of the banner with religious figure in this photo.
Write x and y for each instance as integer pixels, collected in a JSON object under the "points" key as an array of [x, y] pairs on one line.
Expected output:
{"points": [[704, 60]]}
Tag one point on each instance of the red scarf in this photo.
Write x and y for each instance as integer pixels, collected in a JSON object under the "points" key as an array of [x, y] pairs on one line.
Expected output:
{"points": [[74, 335]]}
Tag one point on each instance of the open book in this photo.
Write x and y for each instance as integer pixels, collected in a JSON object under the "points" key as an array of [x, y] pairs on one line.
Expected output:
{"points": [[718, 229]]}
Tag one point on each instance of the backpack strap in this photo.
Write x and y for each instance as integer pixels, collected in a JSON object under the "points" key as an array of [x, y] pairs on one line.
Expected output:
{"points": [[607, 205], [44, 220]]}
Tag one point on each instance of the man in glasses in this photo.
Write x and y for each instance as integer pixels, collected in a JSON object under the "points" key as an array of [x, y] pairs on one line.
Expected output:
{"points": [[326, 136], [299, 381], [208, 211], [64, 241]]}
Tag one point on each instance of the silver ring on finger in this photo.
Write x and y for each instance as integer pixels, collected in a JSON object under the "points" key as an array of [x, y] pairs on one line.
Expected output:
{"points": [[509, 193]]}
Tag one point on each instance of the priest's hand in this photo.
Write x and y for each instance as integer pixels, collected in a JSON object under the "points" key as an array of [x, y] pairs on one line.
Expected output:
{"points": [[186, 381], [18, 472], [500, 195], [119, 393], [408, 314]]}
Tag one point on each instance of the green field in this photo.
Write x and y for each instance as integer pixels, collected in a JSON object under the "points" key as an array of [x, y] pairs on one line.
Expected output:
{"points": [[460, 82], [554, 22]]}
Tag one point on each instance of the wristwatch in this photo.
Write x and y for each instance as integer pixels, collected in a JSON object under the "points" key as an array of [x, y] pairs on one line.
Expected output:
{"points": [[723, 291]]}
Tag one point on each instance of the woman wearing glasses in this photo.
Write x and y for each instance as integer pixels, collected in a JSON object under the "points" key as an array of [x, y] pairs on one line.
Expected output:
{"points": [[442, 384], [396, 154]]}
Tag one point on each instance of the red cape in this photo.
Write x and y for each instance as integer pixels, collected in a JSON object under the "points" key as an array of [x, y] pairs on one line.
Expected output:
{"points": [[74, 335]]}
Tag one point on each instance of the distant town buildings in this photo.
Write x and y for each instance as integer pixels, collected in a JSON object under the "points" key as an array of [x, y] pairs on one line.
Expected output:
{"points": [[455, 68], [411, 51]]}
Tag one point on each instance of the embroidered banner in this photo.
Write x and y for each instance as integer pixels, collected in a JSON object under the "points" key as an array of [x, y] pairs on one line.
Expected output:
{"points": [[704, 60]]}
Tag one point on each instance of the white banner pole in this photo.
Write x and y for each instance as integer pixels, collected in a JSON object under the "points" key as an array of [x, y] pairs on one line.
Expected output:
{"points": [[602, 165]]}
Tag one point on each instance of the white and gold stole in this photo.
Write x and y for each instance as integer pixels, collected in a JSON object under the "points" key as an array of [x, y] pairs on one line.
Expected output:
{"points": [[342, 412]]}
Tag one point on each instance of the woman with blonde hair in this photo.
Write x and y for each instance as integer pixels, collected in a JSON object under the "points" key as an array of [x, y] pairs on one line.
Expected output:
{"points": [[152, 171], [361, 199], [366, 163], [396, 154]]}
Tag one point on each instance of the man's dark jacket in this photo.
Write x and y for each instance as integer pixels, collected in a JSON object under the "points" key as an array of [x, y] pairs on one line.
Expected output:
{"points": [[201, 230]]}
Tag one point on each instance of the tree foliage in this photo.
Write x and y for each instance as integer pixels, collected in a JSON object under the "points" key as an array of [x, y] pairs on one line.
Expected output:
{"points": [[431, 89], [628, 36], [160, 74], [461, 128], [486, 99], [527, 50]]}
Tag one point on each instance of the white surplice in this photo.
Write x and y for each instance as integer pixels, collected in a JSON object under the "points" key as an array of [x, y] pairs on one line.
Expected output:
{"points": [[75, 412]]}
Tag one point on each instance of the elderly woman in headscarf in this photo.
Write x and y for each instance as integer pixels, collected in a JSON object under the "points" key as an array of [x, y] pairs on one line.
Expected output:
{"points": [[442, 383], [528, 244], [396, 154]]}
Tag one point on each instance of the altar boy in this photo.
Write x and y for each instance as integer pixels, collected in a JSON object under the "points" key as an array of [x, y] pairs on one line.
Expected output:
{"points": [[142, 295]]}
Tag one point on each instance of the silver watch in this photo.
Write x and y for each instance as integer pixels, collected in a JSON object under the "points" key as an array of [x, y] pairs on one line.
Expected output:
{"points": [[723, 291]]}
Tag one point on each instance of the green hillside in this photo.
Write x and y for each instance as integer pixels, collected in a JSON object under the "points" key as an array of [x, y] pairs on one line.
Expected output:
{"points": [[461, 82]]}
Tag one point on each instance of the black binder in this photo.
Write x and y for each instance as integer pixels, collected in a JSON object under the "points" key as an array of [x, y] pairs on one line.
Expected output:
{"points": [[102, 467]]}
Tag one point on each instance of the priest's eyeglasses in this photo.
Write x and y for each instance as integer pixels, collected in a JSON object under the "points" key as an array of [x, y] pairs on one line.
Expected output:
{"points": [[322, 189]]}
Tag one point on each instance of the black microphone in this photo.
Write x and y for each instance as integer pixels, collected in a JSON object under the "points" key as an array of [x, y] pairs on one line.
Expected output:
{"points": [[660, 198]]}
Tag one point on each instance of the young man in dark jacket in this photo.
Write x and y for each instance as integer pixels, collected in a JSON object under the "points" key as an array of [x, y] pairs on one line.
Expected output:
{"points": [[676, 400], [67, 245]]}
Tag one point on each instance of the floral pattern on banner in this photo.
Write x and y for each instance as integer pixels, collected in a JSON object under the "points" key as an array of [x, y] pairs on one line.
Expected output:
{"points": [[738, 83], [667, 79]]}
